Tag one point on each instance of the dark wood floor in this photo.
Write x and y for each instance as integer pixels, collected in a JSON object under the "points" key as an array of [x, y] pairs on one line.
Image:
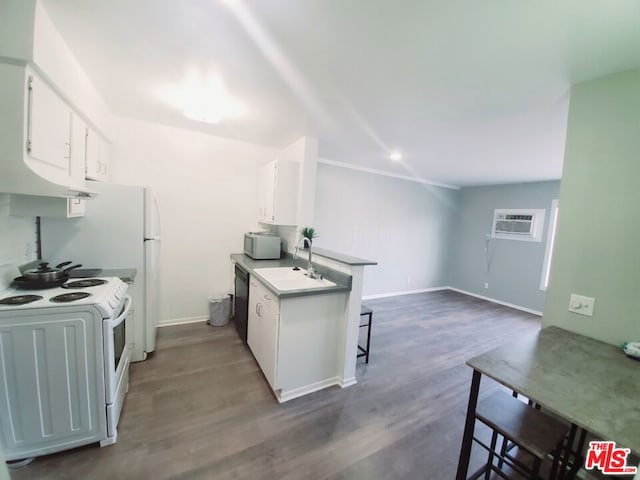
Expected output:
{"points": [[200, 408]]}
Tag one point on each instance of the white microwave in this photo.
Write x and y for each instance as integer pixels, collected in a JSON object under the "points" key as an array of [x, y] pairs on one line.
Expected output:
{"points": [[262, 246]]}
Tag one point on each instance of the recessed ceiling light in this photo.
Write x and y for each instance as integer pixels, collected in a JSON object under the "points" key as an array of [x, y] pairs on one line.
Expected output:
{"points": [[395, 156]]}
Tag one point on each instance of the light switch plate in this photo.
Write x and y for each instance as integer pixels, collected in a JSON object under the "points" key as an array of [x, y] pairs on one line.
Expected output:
{"points": [[581, 305]]}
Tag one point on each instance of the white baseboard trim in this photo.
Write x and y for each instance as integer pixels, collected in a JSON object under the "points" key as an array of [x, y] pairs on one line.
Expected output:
{"points": [[314, 387], [407, 292], [499, 302], [347, 382], [181, 321]]}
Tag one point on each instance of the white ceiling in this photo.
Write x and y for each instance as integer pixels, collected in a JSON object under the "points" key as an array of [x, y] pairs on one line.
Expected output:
{"points": [[472, 92]]}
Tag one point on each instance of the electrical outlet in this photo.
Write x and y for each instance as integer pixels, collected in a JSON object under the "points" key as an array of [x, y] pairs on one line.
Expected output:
{"points": [[581, 305], [486, 284], [408, 280]]}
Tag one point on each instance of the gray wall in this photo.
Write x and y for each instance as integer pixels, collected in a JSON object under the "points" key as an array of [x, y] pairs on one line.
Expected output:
{"points": [[596, 252], [403, 225], [516, 269]]}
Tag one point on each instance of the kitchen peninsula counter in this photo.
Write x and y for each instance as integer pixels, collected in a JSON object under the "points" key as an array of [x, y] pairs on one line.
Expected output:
{"points": [[342, 280], [306, 340]]}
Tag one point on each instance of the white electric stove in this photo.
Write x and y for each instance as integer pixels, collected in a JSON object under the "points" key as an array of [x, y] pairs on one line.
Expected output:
{"points": [[103, 293], [64, 360]]}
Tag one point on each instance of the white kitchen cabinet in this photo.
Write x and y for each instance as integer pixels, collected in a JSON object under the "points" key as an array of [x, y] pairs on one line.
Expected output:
{"points": [[39, 206], [79, 133], [48, 132], [97, 159], [262, 333], [37, 129], [295, 339], [266, 192], [52, 367], [278, 183]]}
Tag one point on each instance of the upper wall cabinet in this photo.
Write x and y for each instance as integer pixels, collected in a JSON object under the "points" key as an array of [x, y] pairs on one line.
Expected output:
{"points": [[97, 161], [71, 161], [78, 150], [278, 183], [42, 150], [48, 142]]}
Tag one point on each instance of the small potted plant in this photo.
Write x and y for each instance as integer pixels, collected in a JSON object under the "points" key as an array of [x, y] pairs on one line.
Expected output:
{"points": [[309, 233]]}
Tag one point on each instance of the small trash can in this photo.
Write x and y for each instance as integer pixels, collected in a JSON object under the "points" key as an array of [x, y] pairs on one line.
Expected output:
{"points": [[219, 311]]}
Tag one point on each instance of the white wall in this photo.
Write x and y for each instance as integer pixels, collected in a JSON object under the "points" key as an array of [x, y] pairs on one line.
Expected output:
{"points": [[206, 189], [402, 225], [17, 236]]}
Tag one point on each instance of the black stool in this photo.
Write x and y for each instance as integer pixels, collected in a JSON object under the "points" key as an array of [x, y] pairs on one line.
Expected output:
{"points": [[364, 352], [519, 424]]}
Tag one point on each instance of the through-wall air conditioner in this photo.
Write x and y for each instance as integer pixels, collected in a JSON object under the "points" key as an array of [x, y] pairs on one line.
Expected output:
{"points": [[518, 224]]}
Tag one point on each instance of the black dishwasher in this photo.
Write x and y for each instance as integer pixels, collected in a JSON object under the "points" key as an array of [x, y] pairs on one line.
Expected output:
{"points": [[241, 303]]}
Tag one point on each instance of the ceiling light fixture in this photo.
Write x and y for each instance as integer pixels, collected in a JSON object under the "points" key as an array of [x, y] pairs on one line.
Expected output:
{"points": [[395, 156], [207, 100], [202, 98]]}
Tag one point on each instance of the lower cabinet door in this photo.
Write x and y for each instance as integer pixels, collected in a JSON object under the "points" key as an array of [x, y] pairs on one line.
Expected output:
{"points": [[262, 333], [269, 353]]}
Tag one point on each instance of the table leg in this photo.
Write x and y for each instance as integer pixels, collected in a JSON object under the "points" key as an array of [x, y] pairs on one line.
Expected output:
{"points": [[467, 438]]}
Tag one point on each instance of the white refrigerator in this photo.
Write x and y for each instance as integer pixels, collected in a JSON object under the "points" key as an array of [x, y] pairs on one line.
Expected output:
{"points": [[120, 230]]}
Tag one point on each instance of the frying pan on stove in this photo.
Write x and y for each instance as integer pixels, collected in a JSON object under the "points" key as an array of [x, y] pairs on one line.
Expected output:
{"points": [[45, 273], [44, 276], [26, 284]]}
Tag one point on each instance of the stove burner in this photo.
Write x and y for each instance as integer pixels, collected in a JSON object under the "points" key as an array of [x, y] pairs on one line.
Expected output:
{"points": [[20, 300], [89, 282], [69, 297]]}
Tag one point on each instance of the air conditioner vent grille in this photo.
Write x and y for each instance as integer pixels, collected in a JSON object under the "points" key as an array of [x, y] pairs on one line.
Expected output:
{"points": [[518, 224], [507, 226]]}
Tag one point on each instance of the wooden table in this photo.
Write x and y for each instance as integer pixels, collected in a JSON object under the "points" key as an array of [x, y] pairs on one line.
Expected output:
{"points": [[590, 383]]}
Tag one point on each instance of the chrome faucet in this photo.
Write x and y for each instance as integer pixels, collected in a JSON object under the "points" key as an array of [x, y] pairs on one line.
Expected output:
{"points": [[311, 272]]}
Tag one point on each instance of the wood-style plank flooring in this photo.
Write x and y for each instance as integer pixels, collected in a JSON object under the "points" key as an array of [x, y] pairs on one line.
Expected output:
{"points": [[199, 408]]}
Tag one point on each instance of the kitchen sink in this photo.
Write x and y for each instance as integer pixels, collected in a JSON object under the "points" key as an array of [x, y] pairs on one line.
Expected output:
{"points": [[286, 278]]}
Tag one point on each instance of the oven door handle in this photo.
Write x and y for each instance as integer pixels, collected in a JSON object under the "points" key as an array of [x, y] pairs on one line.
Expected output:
{"points": [[120, 318]]}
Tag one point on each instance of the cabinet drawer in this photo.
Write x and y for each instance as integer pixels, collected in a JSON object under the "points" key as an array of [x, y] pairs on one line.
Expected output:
{"points": [[264, 296]]}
